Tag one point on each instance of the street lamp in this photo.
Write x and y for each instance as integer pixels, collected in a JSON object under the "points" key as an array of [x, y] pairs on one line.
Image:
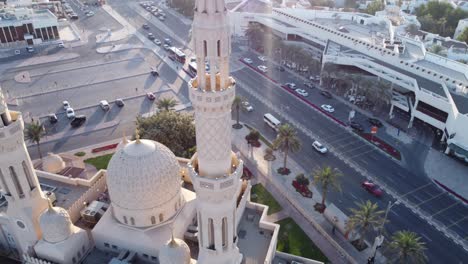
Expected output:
{"points": [[380, 238]]}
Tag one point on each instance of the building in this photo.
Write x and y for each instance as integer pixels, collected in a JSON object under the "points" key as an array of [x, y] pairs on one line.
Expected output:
{"points": [[149, 206], [26, 26], [435, 88]]}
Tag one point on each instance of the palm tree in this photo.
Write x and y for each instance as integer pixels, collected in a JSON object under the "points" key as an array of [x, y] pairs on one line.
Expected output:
{"points": [[365, 217], [34, 132], [286, 141], [237, 104], [166, 104], [408, 248], [326, 178]]}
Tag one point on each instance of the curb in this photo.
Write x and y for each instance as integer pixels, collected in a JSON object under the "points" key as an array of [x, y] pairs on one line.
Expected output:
{"points": [[450, 191]]}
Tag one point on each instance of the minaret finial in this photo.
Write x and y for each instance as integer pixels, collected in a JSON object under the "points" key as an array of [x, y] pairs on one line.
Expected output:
{"points": [[173, 242]]}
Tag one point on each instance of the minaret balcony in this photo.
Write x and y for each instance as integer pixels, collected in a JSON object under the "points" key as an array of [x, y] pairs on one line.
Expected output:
{"points": [[195, 84], [14, 127]]}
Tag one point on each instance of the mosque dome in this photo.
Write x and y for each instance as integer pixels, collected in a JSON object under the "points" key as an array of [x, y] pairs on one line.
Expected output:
{"points": [[143, 179], [176, 251], [55, 224], [53, 163]]}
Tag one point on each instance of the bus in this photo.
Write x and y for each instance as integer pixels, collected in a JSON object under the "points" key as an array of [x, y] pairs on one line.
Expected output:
{"points": [[176, 54], [271, 121]]}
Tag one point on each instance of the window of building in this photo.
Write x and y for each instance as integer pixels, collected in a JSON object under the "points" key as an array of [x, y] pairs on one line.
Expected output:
{"points": [[74, 260], [205, 49], [161, 217], [106, 245], [125, 220], [225, 231], [210, 234], [200, 228], [153, 258], [218, 44], [132, 221], [145, 256], [27, 172], [16, 182], [114, 247], [153, 220], [79, 255]]}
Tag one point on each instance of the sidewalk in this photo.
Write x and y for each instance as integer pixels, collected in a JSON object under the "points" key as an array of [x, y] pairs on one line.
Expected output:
{"points": [[281, 188]]}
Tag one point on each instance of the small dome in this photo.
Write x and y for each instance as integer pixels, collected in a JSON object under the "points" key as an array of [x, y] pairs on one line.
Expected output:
{"points": [[53, 163], [143, 179], [55, 224], [176, 251]]}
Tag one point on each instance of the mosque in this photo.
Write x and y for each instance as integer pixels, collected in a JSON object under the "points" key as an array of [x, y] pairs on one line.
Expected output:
{"points": [[151, 217]]}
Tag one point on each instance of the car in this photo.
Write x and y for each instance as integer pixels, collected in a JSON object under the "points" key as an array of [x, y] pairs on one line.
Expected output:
{"points": [[247, 60], [319, 147], [326, 94], [167, 41], [328, 108], [154, 72], [166, 47], [151, 36], [372, 188], [52, 118], [89, 14], [104, 105], [302, 92], [78, 121], [17, 52], [66, 105], [161, 18], [280, 68], [247, 106], [157, 42], [290, 85], [309, 85], [119, 102], [30, 49], [150, 96], [375, 122], [263, 68], [262, 58], [70, 112], [74, 16], [356, 126], [61, 45], [145, 26]]}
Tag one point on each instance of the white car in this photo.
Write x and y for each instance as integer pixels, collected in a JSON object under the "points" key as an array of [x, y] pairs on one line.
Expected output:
{"points": [[302, 92], [157, 42], [263, 68], [70, 112], [247, 60], [328, 108], [247, 106], [90, 14], [319, 147], [104, 105], [17, 52], [61, 45], [166, 47], [262, 58], [66, 105], [290, 85]]}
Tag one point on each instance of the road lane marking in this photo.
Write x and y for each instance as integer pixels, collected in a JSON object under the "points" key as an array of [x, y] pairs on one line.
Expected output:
{"points": [[445, 208], [426, 237], [353, 196]]}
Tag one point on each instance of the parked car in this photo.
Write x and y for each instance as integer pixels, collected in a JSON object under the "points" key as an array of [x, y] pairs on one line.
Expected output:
{"points": [[328, 108], [326, 94], [157, 42], [104, 105], [247, 60], [375, 122], [166, 47], [89, 13], [154, 72], [66, 105], [161, 18], [30, 49], [78, 121], [151, 36], [263, 68], [309, 85], [70, 112], [52, 118], [247, 106], [17, 52], [319, 147], [302, 92], [372, 188], [150, 96], [262, 58], [167, 41], [119, 102], [73, 16], [356, 126], [61, 45], [145, 26], [290, 85], [280, 68]]}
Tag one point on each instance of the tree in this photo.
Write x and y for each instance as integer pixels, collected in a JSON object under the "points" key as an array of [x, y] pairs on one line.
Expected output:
{"points": [[437, 49], [364, 217], [439, 17], [254, 33], [408, 247], [287, 141], [376, 5], [463, 36], [237, 104], [166, 104], [302, 179], [327, 178], [34, 132], [172, 129], [412, 29]]}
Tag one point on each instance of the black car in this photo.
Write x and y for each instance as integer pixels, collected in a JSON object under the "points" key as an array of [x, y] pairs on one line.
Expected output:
{"points": [[154, 72], [78, 121], [326, 94], [356, 126], [309, 85], [145, 26], [280, 68], [375, 122], [52, 118], [119, 102]]}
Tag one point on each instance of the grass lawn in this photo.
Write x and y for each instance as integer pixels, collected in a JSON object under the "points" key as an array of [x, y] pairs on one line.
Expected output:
{"points": [[291, 239], [264, 197], [99, 162]]}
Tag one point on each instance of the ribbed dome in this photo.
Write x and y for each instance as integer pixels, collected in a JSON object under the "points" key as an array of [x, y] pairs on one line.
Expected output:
{"points": [[144, 175], [55, 224], [176, 251], [53, 163]]}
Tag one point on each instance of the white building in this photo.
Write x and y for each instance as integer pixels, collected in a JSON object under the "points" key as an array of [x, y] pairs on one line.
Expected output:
{"points": [[436, 88]]}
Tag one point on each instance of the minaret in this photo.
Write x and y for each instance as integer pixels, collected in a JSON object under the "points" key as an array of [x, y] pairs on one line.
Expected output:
{"points": [[19, 183], [215, 170]]}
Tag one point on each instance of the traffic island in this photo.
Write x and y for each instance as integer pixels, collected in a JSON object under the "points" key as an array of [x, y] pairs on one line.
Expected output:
{"points": [[381, 145]]}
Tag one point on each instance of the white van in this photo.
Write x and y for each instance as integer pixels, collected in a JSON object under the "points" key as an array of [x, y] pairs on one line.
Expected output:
{"points": [[271, 121]]}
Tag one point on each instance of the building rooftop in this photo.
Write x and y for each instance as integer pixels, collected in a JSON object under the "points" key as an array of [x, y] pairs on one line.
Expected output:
{"points": [[254, 6]]}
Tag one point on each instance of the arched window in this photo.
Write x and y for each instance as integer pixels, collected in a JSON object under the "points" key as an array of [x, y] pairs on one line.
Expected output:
{"points": [[225, 231], [16, 182], [132, 221], [125, 220], [218, 44], [210, 234], [153, 220], [205, 49], [161, 217], [28, 174], [4, 184]]}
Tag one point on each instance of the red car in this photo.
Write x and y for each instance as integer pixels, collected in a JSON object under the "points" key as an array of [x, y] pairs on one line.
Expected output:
{"points": [[372, 188], [150, 96]]}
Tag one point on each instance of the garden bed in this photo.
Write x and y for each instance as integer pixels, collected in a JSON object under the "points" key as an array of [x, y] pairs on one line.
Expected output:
{"points": [[260, 195]]}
